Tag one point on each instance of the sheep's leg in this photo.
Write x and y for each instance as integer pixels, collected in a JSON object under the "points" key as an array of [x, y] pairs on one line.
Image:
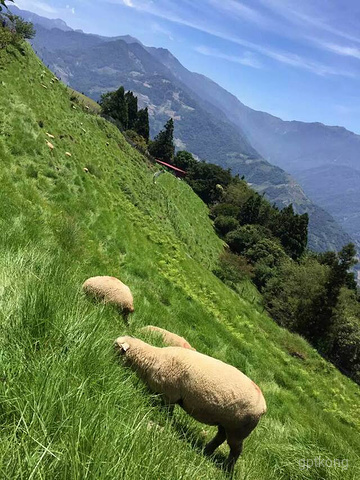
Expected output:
{"points": [[235, 442], [219, 438]]}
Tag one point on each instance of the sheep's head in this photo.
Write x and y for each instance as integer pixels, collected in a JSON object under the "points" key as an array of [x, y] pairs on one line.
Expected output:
{"points": [[122, 345]]}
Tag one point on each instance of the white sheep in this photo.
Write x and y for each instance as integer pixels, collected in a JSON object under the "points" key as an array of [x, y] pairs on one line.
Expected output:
{"points": [[209, 390], [169, 338], [110, 290]]}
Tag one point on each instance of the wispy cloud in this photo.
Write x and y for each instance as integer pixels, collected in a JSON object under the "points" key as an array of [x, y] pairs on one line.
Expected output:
{"points": [[35, 5], [241, 11], [247, 58], [342, 49], [287, 58], [298, 13], [157, 28]]}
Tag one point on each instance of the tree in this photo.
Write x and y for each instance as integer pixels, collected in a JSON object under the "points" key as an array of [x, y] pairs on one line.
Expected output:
{"points": [[251, 210], [132, 109], [227, 209], [163, 145], [184, 160], [292, 229], [114, 105], [24, 30], [344, 344], [224, 224], [205, 178], [2, 4], [243, 238], [142, 124]]}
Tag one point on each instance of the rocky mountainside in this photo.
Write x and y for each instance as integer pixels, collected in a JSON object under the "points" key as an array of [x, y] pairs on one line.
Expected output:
{"points": [[93, 64]]}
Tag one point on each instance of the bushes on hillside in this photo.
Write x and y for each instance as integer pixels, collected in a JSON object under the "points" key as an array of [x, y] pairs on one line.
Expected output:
{"points": [[224, 224], [13, 29], [3, 5], [344, 335]]}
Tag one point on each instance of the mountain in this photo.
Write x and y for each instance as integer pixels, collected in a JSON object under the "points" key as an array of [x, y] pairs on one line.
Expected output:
{"points": [[43, 21], [338, 191], [315, 154], [93, 64], [292, 145], [69, 408]]}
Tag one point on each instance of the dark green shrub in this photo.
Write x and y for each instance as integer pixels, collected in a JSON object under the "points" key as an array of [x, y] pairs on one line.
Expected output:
{"points": [[243, 238], [224, 224], [227, 209]]}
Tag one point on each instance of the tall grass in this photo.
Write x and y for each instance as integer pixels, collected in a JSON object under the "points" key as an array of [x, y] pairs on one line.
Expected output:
{"points": [[68, 409]]}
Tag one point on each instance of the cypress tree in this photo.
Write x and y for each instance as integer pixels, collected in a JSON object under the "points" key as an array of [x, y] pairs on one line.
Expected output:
{"points": [[142, 124], [132, 109], [163, 144], [114, 105]]}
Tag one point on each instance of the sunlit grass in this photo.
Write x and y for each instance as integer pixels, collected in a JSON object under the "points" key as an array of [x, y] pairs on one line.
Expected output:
{"points": [[68, 409]]}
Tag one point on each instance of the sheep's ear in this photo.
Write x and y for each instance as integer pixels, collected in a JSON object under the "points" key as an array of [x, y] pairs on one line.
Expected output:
{"points": [[125, 346]]}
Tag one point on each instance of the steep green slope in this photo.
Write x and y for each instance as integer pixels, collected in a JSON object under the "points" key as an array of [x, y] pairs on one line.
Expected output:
{"points": [[67, 408]]}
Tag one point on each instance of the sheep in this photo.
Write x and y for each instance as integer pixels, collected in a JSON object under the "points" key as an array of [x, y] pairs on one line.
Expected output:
{"points": [[110, 290], [211, 391], [169, 338]]}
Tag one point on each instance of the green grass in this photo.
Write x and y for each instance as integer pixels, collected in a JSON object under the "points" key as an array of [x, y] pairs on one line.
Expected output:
{"points": [[68, 409], [85, 102]]}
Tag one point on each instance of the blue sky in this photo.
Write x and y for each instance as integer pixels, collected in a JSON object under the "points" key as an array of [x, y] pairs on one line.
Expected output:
{"points": [[297, 59]]}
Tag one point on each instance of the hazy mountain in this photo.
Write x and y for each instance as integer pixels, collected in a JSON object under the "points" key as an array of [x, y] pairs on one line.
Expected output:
{"points": [[94, 64], [320, 157], [337, 189], [291, 145], [38, 20]]}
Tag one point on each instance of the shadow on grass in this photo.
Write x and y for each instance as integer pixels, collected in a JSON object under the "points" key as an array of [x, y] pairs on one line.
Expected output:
{"points": [[191, 435]]}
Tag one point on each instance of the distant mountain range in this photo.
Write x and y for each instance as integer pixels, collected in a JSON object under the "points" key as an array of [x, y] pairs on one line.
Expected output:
{"points": [[209, 121]]}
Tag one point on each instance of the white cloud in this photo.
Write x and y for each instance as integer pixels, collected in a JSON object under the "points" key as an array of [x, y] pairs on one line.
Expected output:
{"points": [[239, 10], [37, 6], [156, 28], [202, 25], [248, 58], [72, 9], [342, 50], [298, 13]]}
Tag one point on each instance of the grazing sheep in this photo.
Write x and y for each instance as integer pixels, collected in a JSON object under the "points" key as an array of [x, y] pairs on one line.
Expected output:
{"points": [[169, 338], [110, 290], [209, 390]]}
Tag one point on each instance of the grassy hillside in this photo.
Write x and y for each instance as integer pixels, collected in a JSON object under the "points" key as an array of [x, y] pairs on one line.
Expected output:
{"points": [[68, 409]]}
